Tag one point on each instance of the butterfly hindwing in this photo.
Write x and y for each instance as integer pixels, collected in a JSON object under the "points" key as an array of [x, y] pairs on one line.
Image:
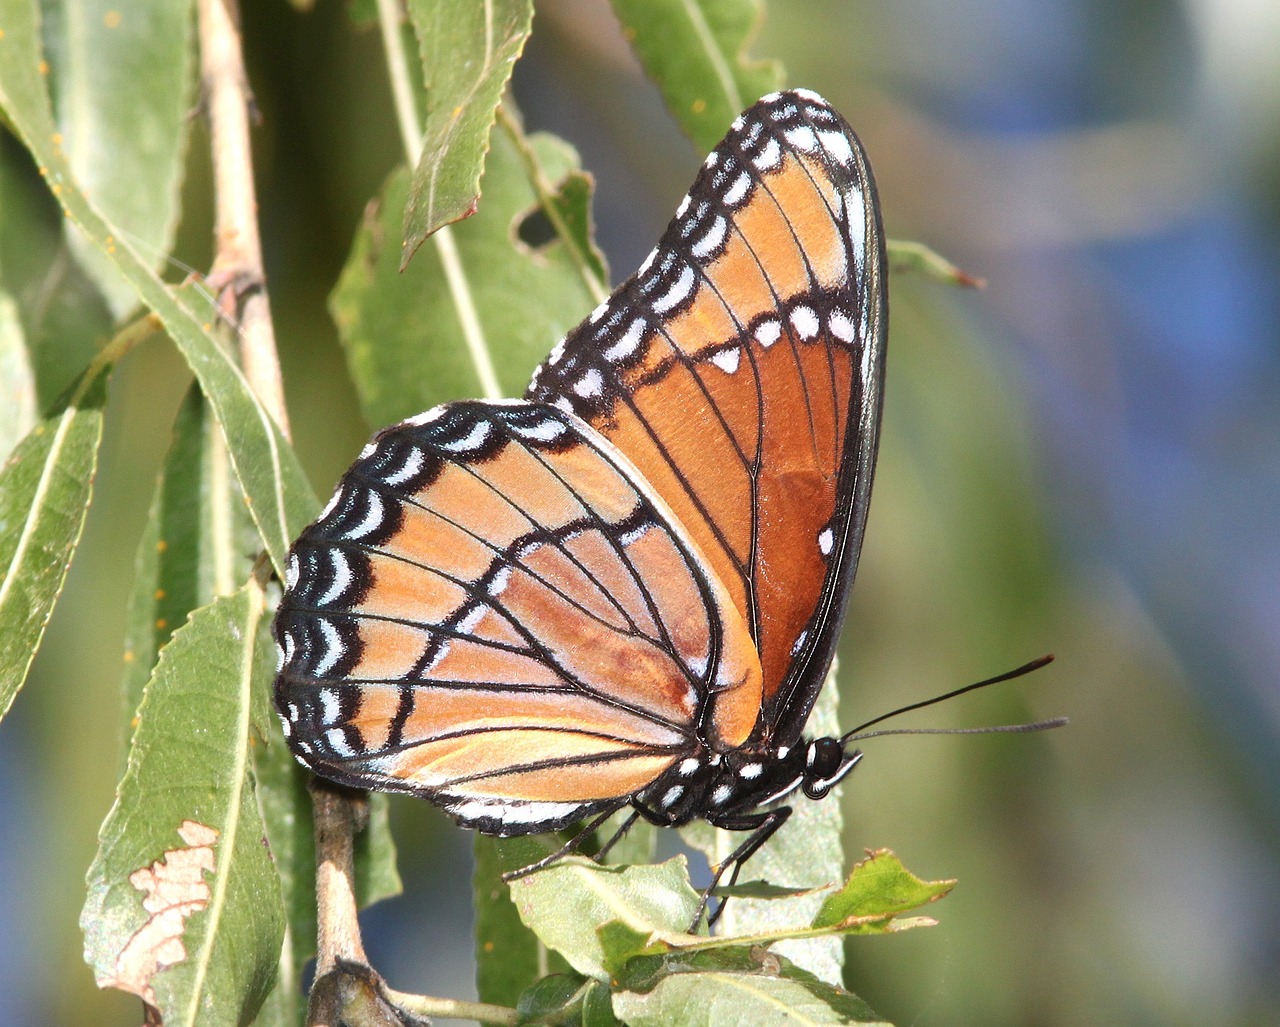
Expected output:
{"points": [[497, 612], [741, 370]]}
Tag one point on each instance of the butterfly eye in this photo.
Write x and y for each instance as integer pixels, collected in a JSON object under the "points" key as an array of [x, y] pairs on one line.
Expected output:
{"points": [[824, 766]]}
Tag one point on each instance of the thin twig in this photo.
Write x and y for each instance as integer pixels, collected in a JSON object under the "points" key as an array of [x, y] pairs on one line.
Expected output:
{"points": [[237, 273]]}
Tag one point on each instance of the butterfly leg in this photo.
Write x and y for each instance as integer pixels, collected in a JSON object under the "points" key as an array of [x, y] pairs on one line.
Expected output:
{"points": [[762, 826], [572, 845], [632, 817]]}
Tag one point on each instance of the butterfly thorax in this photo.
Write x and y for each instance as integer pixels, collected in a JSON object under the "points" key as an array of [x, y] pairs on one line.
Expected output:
{"points": [[722, 786]]}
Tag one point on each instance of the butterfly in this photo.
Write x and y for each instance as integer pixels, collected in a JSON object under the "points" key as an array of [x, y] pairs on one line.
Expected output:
{"points": [[627, 587]]}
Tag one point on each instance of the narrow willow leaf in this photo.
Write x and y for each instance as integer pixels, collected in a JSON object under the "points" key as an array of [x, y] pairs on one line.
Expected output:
{"points": [[17, 380], [184, 906], [468, 51], [121, 77], [403, 332], [62, 314], [806, 853], [45, 488], [189, 550], [566, 903], [693, 50], [728, 988], [279, 497]]}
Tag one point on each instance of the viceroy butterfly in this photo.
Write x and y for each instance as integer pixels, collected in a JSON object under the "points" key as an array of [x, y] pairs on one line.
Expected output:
{"points": [[627, 587]]}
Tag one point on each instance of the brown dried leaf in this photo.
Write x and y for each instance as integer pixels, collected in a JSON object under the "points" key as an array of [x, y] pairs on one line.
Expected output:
{"points": [[175, 888]]}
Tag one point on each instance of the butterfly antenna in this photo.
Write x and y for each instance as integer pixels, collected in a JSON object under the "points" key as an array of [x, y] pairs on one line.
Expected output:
{"points": [[857, 734]]}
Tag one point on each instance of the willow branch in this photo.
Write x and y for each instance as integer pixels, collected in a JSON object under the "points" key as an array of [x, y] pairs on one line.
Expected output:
{"points": [[237, 271]]}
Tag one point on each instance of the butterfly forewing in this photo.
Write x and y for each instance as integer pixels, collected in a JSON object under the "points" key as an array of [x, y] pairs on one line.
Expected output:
{"points": [[741, 371], [497, 612]]}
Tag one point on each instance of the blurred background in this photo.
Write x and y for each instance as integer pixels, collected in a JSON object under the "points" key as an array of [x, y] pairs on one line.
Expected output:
{"points": [[1080, 459]]}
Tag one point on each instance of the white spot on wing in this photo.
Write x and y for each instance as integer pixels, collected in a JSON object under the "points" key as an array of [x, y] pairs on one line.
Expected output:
{"points": [[798, 644], [802, 138], [768, 158], [333, 649], [500, 580], [727, 359], [329, 709], [411, 466], [826, 541], [627, 343], [291, 572], [547, 430], [678, 292], [337, 740], [341, 577], [838, 146], [805, 322], [473, 440], [841, 326], [709, 243], [768, 333], [737, 191], [372, 519], [590, 384]]}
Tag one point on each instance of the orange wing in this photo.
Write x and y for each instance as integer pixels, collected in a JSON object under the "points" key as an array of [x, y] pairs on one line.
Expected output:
{"points": [[498, 613], [741, 369]]}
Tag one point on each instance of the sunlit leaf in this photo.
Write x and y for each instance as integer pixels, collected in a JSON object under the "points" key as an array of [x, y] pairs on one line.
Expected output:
{"points": [[184, 906], [122, 82], [404, 334], [879, 888], [728, 988], [45, 488], [565, 903], [693, 50], [468, 51]]}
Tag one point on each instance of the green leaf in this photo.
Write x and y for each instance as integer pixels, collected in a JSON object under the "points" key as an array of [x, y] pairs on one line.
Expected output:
{"points": [[804, 854], [17, 380], [121, 76], [45, 488], [63, 316], [184, 905], [731, 987], [879, 888], [554, 999], [917, 258], [508, 955], [566, 902], [190, 548], [693, 50], [277, 492], [468, 50], [403, 333]]}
